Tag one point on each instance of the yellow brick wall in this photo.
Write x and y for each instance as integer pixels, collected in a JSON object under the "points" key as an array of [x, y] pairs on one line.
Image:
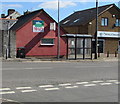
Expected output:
{"points": [[111, 45]]}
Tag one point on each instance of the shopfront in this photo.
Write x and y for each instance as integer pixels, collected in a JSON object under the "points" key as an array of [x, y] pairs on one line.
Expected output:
{"points": [[108, 42]]}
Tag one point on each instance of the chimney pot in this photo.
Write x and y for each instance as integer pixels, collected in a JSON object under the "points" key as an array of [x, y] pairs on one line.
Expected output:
{"points": [[2, 15], [27, 12], [10, 11]]}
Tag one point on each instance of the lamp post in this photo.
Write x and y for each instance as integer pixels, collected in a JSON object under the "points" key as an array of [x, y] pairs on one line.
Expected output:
{"points": [[58, 47], [96, 39]]}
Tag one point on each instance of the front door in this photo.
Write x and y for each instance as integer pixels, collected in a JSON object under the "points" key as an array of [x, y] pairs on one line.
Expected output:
{"points": [[100, 46]]}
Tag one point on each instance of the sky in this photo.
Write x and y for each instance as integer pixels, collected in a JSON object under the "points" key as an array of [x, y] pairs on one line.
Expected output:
{"points": [[67, 7]]}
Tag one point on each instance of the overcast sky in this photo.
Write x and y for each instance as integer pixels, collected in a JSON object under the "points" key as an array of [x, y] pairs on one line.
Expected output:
{"points": [[67, 7]]}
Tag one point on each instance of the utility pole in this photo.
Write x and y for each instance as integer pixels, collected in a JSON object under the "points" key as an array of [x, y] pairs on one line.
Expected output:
{"points": [[58, 47], [96, 39]]}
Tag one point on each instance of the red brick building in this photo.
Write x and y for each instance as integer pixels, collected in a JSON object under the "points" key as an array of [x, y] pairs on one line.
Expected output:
{"points": [[37, 33]]}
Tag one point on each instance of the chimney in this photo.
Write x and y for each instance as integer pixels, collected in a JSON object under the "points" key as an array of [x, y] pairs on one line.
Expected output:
{"points": [[27, 12], [2, 15], [10, 11]]}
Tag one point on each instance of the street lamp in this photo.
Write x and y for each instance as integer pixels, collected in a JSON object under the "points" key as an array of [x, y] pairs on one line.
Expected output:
{"points": [[96, 39], [58, 47]]}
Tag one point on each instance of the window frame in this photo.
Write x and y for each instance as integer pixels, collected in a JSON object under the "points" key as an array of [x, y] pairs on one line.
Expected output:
{"points": [[104, 21], [41, 43], [117, 23]]}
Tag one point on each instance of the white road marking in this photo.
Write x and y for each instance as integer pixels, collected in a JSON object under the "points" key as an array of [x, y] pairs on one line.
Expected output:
{"points": [[9, 92], [39, 68], [97, 81], [112, 80], [28, 90], [81, 82], [21, 88], [44, 86], [117, 82], [105, 83], [7, 100], [48, 89], [71, 87], [91, 66], [28, 68], [1, 89], [65, 84], [88, 85]]}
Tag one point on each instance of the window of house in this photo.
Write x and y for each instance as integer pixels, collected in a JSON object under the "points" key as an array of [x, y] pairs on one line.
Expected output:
{"points": [[47, 41], [117, 22], [53, 26], [104, 22], [76, 20], [66, 21]]}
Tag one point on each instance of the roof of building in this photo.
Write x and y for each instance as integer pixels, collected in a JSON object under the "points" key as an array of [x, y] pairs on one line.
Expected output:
{"points": [[14, 15], [85, 16], [22, 20]]}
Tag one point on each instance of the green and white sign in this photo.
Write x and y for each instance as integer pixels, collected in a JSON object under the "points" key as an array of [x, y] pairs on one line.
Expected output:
{"points": [[38, 26]]}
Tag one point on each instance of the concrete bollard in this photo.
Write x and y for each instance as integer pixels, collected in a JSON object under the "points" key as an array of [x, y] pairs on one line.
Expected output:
{"points": [[98, 54], [107, 53], [115, 53]]}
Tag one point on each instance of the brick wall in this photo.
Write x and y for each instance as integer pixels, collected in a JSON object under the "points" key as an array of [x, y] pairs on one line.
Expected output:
{"points": [[4, 43], [12, 44], [111, 21], [0, 43], [111, 45]]}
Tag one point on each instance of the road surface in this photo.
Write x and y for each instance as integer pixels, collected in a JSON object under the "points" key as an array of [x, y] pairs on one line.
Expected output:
{"points": [[60, 81]]}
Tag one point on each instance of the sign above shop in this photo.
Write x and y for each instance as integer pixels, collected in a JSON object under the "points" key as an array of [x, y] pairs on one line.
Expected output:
{"points": [[108, 34], [38, 26]]}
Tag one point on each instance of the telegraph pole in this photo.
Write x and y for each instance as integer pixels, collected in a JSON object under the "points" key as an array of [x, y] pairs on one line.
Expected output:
{"points": [[96, 39], [58, 47]]}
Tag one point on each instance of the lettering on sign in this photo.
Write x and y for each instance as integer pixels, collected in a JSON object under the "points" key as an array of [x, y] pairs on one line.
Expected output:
{"points": [[38, 26], [108, 34]]}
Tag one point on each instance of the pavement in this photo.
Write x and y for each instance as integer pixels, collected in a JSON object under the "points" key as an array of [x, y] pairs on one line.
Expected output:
{"points": [[32, 59]]}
